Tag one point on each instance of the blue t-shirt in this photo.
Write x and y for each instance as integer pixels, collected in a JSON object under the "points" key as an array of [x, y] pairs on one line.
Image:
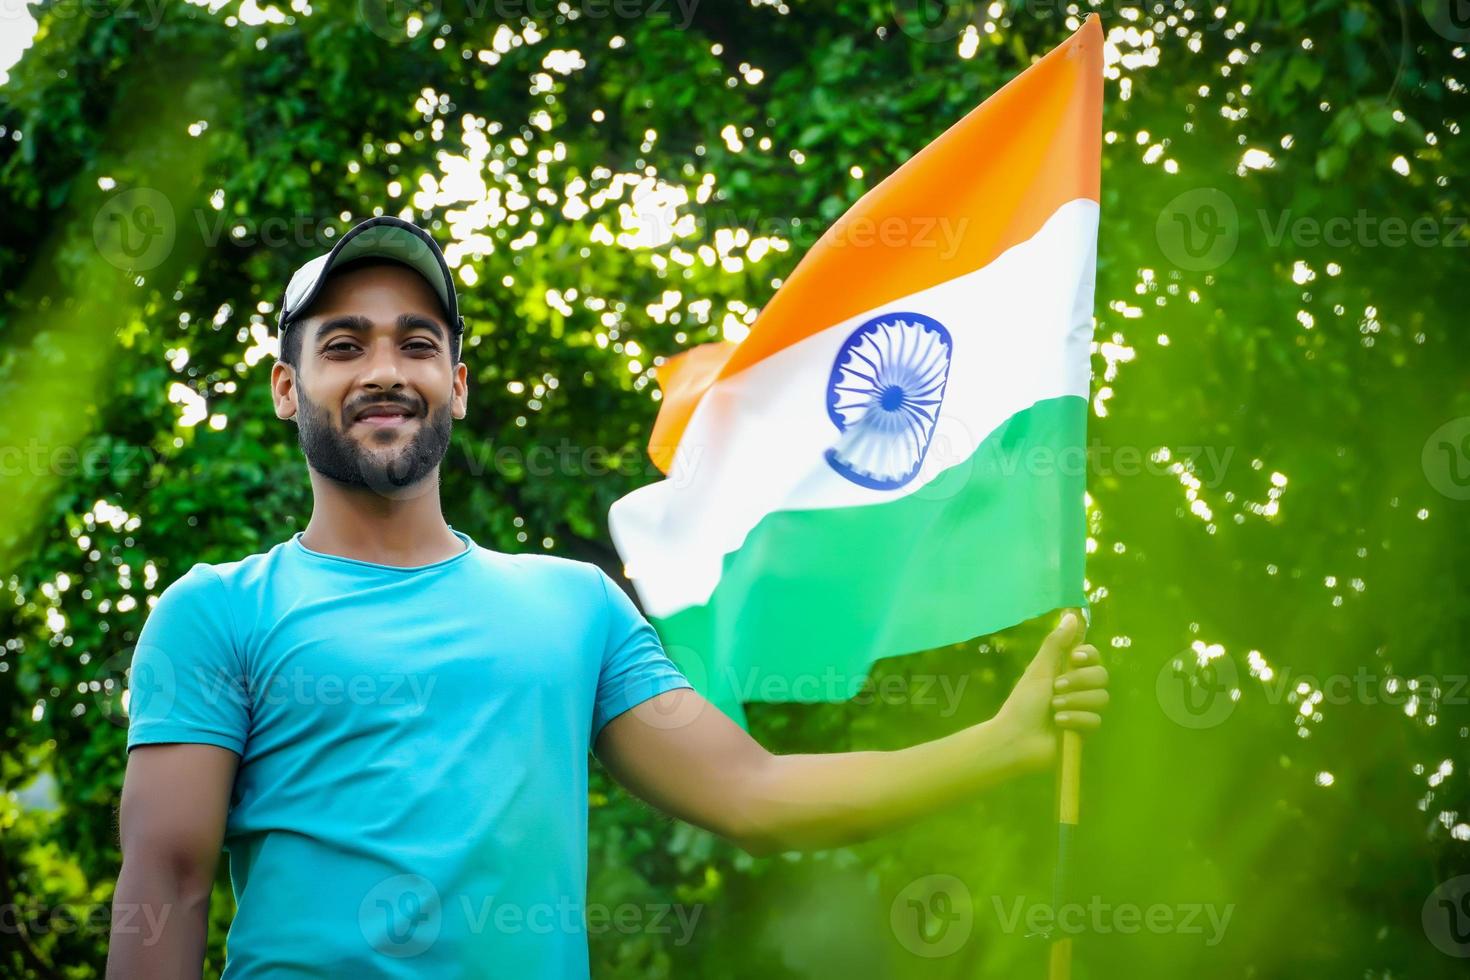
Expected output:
{"points": [[411, 799]]}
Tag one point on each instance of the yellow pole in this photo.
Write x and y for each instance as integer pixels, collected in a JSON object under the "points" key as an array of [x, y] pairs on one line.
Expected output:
{"points": [[1069, 794], [1069, 784]]}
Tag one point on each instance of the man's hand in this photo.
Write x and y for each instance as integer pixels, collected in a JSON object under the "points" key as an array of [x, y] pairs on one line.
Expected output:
{"points": [[1065, 687]]}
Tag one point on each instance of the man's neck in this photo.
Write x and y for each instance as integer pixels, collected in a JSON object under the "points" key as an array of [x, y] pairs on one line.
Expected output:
{"points": [[364, 525]]}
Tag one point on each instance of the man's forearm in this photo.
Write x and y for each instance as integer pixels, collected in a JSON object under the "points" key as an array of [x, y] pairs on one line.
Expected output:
{"points": [[160, 923], [809, 802]]}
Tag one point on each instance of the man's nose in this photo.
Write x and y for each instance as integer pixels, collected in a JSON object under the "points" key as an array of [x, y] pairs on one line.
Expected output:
{"points": [[383, 367]]}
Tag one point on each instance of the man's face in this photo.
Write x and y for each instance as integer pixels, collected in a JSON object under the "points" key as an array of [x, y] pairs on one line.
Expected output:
{"points": [[375, 390]]}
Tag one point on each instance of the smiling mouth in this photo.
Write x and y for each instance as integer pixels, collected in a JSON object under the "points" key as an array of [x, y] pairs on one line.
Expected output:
{"points": [[384, 421]]}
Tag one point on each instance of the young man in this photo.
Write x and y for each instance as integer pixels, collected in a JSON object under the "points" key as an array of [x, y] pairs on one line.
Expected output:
{"points": [[387, 725]]}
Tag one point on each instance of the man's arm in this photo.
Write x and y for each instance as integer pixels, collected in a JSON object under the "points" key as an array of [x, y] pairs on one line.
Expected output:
{"points": [[708, 771], [172, 822]]}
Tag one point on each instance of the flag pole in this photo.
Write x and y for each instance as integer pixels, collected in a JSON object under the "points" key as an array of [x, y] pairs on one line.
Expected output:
{"points": [[1069, 784], [1069, 798]]}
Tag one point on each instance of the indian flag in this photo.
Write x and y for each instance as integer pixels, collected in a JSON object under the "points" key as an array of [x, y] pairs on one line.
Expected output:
{"points": [[892, 459]]}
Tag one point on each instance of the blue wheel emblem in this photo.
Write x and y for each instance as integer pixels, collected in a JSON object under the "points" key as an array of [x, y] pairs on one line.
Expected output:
{"points": [[884, 395]]}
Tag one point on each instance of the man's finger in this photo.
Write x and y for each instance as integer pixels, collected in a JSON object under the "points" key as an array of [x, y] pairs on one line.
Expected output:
{"points": [[1084, 655], [1079, 721], [1067, 634], [1093, 700], [1050, 658], [1083, 679]]}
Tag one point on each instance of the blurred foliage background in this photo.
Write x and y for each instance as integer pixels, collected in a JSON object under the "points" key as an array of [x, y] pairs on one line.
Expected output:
{"points": [[1280, 453]]}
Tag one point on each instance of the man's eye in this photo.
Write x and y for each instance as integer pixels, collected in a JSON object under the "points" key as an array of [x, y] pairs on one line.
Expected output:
{"points": [[347, 345]]}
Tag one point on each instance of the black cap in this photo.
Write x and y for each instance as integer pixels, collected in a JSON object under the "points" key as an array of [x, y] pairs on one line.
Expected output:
{"points": [[385, 237]]}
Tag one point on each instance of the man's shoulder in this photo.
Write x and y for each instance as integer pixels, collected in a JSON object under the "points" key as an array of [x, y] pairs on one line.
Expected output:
{"points": [[242, 571], [206, 578], [545, 570]]}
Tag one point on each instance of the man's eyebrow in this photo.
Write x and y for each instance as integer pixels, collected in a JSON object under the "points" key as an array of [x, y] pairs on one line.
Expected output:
{"points": [[350, 322], [417, 321], [355, 323]]}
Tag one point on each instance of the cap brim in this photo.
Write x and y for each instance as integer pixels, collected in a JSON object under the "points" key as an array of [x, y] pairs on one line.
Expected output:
{"points": [[384, 237]]}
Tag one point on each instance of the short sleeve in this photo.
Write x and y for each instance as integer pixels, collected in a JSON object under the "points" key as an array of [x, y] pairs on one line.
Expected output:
{"points": [[634, 665], [187, 682]]}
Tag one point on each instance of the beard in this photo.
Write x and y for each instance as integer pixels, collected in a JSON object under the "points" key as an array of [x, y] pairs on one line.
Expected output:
{"points": [[395, 472]]}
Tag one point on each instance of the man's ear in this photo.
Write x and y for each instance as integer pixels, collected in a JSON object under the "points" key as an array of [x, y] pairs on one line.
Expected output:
{"points": [[459, 400], [283, 390]]}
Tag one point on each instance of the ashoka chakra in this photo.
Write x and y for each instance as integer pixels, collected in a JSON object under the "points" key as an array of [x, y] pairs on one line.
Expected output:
{"points": [[884, 395]]}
